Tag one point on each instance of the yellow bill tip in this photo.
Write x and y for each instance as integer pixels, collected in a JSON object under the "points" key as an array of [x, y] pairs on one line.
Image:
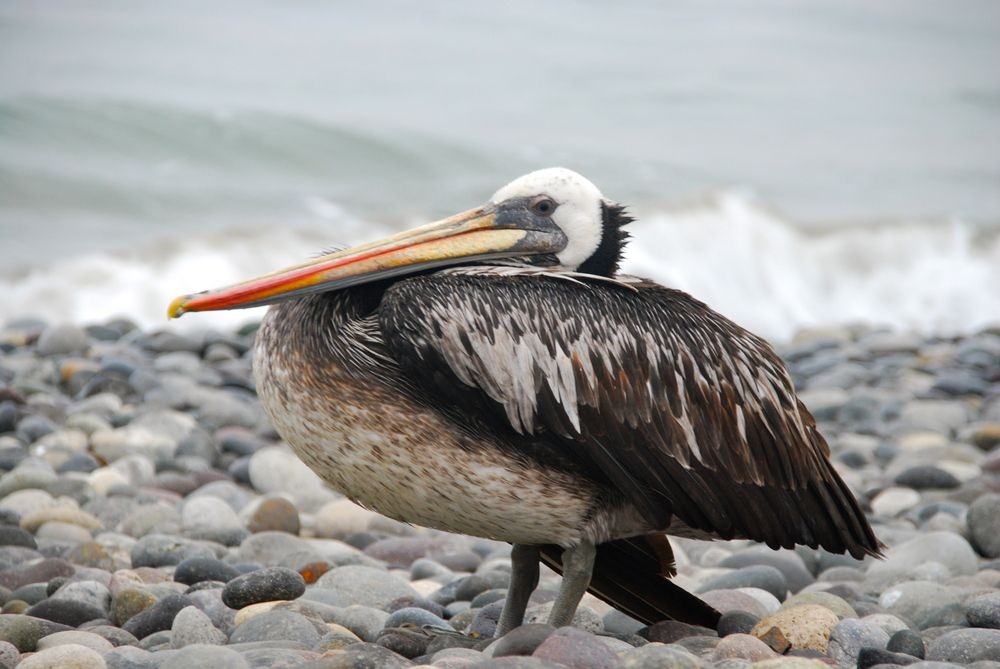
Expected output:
{"points": [[176, 308]]}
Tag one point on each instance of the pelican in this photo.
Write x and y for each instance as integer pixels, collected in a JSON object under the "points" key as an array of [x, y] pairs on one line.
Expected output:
{"points": [[493, 374]]}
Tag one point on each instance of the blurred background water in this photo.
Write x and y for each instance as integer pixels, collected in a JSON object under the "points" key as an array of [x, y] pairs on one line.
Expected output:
{"points": [[792, 163]]}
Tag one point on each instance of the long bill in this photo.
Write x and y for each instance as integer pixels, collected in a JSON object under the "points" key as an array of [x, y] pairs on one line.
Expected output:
{"points": [[471, 235]]}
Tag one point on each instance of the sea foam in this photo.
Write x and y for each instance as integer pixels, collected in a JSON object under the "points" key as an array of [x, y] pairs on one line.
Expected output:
{"points": [[762, 271]]}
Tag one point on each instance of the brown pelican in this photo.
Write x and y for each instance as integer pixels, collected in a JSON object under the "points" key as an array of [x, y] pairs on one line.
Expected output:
{"points": [[493, 374]]}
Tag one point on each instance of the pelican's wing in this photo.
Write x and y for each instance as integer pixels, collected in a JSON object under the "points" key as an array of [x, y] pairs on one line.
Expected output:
{"points": [[682, 410]]}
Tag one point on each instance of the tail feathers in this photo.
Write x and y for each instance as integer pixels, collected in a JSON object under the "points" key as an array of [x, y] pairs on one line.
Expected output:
{"points": [[632, 576]]}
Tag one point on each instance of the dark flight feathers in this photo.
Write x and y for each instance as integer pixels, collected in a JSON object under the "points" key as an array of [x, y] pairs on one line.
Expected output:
{"points": [[687, 414]]}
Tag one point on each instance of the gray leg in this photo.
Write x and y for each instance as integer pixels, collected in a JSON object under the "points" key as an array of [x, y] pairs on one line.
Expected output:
{"points": [[577, 566], [523, 580]]}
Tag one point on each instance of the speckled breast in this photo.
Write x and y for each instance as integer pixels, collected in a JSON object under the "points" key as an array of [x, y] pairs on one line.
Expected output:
{"points": [[386, 452]]}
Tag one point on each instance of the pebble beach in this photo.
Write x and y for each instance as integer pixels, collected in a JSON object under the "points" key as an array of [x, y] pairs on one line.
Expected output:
{"points": [[150, 517]]}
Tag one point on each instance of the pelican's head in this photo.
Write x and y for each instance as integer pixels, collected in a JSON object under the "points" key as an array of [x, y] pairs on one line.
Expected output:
{"points": [[552, 217]]}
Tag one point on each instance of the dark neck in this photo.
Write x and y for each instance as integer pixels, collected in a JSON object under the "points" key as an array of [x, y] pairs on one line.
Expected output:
{"points": [[605, 260]]}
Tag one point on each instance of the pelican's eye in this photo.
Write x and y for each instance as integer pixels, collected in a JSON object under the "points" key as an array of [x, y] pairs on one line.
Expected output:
{"points": [[543, 205]]}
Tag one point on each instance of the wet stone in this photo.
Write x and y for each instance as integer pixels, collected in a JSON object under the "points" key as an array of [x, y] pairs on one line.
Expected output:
{"points": [[158, 617], [263, 585], [199, 569], [65, 611]]}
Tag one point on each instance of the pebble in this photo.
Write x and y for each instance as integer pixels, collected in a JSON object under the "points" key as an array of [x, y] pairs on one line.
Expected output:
{"points": [[894, 500], [736, 622], [277, 625], [571, 647], [65, 611], [787, 562], [158, 617], [198, 569], [365, 586], [807, 626], [216, 657], [984, 524], [765, 577], [742, 646], [522, 640], [263, 585], [657, 656], [908, 642], [61, 340], [924, 477], [871, 657], [362, 655], [948, 549], [735, 600], [964, 646], [275, 514], [923, 603], [88, 639], [984, 611], [191, 626], [850, 636], [68, 656]]}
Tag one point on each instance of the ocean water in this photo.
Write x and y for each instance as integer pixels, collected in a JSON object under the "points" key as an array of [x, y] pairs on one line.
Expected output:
{"points": [[791, 163]]}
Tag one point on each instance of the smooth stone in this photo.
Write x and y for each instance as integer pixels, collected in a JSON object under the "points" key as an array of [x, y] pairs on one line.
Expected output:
{"points": [[894, 500], [277, 470], [277, 658], [341, 518], [965, 646], [359, 656], [585, 617], [908, 642], [192, 626], [158, 617], [725, 601], [216, 657], [129, 602], [736, 622], [946, 548], [132, 657], [35, 572], [364, 621], [198, 569], [88, 592], [68, 656], [828, 600], [409, 643], [657, 656], [275, 514], [787, 562], [88, 639], [872, 657], [618, 623], [158, 550], [114, 635], [521, 640], [263, 585], [984, 611], [742, 646], [415, 616], [922, 603], [65, 611], [765, 577], [273, 548], [365, 586], [672, 631], [62, 340], [925, 477], [805, 627], [9, 655], [850, 636], [277, 625], [983, 521], [574, 648], [15, 536], [24, 631], [209, 518]]}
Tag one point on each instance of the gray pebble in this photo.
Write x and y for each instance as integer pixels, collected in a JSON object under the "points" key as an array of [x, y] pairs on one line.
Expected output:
{"points": [[964, 646], [789, 563], [984, 524], [158, 617], [984, 611], [158, 550], [216, 657], [191, 626], [850, 636], [765, 577], [366, 586], [62, 340], [415, 616], [277, 625], [908, 642]]}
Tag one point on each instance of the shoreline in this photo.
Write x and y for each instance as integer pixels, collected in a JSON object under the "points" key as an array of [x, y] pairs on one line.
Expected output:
{"points": [[142, 489]]}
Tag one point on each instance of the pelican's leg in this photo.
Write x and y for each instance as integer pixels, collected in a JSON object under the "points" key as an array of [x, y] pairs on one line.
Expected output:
{"points": [[577, 566], [523, 580]]}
